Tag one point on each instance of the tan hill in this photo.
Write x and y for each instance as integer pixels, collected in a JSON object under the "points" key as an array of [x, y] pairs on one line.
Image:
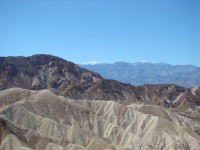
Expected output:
{"points": [[44, 121]]}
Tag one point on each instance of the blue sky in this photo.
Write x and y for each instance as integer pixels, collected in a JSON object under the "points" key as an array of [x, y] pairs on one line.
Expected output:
{"points": [[105, 31]]}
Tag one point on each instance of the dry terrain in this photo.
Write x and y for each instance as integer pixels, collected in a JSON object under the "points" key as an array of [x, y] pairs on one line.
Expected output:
{"points": [[42, 120], [48, 103]]}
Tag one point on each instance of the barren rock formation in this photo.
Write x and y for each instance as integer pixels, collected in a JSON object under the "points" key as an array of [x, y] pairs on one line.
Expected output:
{"points": [[44, 121], [47, 103], [67, 79]]}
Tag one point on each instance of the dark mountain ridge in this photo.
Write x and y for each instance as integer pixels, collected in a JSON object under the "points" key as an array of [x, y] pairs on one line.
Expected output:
{"points": [[67, 79]]}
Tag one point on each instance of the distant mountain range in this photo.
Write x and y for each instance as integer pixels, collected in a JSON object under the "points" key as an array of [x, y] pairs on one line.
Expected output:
{"points": [[148, 73]]}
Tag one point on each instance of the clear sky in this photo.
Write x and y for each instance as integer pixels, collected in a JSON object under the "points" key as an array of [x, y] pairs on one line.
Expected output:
{"points": [[102, 30]]}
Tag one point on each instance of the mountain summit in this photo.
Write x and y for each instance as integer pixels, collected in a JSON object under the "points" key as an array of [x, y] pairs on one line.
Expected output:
{"points": [[91, 63]]}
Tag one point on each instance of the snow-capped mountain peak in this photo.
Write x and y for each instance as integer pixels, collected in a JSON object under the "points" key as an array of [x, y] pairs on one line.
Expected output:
{"points": [[91, 63]]}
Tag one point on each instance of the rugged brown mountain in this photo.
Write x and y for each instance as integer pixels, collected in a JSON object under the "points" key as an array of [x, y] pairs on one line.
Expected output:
{"points": [[48, 103], [67, 79]]}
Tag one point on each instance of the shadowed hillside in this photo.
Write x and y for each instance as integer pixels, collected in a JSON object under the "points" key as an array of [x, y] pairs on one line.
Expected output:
{"points": [[67, 79]]}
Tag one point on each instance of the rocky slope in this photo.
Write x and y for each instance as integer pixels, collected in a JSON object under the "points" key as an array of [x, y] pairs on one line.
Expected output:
{"points": [[42, 120], [47, 103], [67, 79], [145, 73]]}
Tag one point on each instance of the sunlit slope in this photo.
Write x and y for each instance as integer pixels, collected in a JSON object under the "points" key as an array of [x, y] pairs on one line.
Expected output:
{"points": [[42, 120]]}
